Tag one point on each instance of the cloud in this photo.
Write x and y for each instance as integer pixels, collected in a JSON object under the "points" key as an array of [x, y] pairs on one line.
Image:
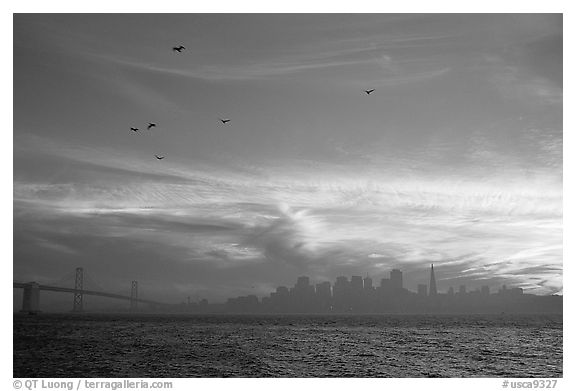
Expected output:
{"points": [[341, 220], [329, 229], [249, 71], [515, 82], [342, 53]]}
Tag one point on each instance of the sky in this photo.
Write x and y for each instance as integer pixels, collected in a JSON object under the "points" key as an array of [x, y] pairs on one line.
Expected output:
{"points": [[455, 159]]}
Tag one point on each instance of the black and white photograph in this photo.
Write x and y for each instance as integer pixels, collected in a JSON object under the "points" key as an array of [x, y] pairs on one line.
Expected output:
{"points": [[288, 195]]}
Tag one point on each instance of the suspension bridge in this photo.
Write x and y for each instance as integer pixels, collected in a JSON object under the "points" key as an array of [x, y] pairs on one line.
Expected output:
{"points": [[31, 297]]}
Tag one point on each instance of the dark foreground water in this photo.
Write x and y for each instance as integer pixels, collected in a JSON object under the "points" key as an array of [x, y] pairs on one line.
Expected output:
{"points": [[287, 346]]}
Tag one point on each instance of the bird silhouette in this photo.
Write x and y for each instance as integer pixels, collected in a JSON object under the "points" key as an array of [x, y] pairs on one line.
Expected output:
{"points": [[151, 125], [369, 91], [159, 157], [134, 129], [224, 120], [178, 48]]}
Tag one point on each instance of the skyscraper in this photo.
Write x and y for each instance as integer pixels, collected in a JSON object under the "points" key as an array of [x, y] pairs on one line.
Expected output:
{"points": [[367, 283], [385, 287], [355, 293], [433, 291], [303, 294], [302, 282], [324, 289], [396, 279], [356, 284], [324, 296], [340, 294]]}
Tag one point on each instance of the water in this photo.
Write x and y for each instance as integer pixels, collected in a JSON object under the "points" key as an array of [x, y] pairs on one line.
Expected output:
{"points": [[93, 345]]}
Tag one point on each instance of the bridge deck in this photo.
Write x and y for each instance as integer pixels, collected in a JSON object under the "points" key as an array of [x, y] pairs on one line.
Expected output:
{"points": [[85, 292]]}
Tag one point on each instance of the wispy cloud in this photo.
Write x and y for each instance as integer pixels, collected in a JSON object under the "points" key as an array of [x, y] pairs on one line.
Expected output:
{"points": [[282, 65], [516, 83], [230, 219]]}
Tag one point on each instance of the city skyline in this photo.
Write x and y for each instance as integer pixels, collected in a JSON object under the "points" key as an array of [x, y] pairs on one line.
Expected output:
{"points": [[360, 296], [454, 159], [395, 282]]}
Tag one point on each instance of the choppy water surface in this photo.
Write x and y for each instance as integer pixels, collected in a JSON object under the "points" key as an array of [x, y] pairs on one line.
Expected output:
{"points": [[287, 346]]}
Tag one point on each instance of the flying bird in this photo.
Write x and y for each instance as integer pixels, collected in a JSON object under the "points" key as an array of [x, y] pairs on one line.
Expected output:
{"points": [[369, 91], [178, 48], [151, 125], [134, 129], [224, 120], [159, 157]]}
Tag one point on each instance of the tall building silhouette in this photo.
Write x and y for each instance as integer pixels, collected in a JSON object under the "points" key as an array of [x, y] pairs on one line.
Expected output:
{"points": [[367, 283], [324, 295], [302, 295], [356, 292], [341, 294], [356, 284], [396, 279], [302, 283], [385, 284], [433, 291], [324, 289]]}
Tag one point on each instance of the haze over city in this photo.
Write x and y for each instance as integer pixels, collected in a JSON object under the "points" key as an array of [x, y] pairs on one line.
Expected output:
{"points": [[454, 159]]}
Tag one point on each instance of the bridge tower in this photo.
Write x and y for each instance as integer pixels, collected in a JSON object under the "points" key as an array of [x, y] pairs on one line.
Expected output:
{"points": [[78, 288], [31, 298], [134, 296]]}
